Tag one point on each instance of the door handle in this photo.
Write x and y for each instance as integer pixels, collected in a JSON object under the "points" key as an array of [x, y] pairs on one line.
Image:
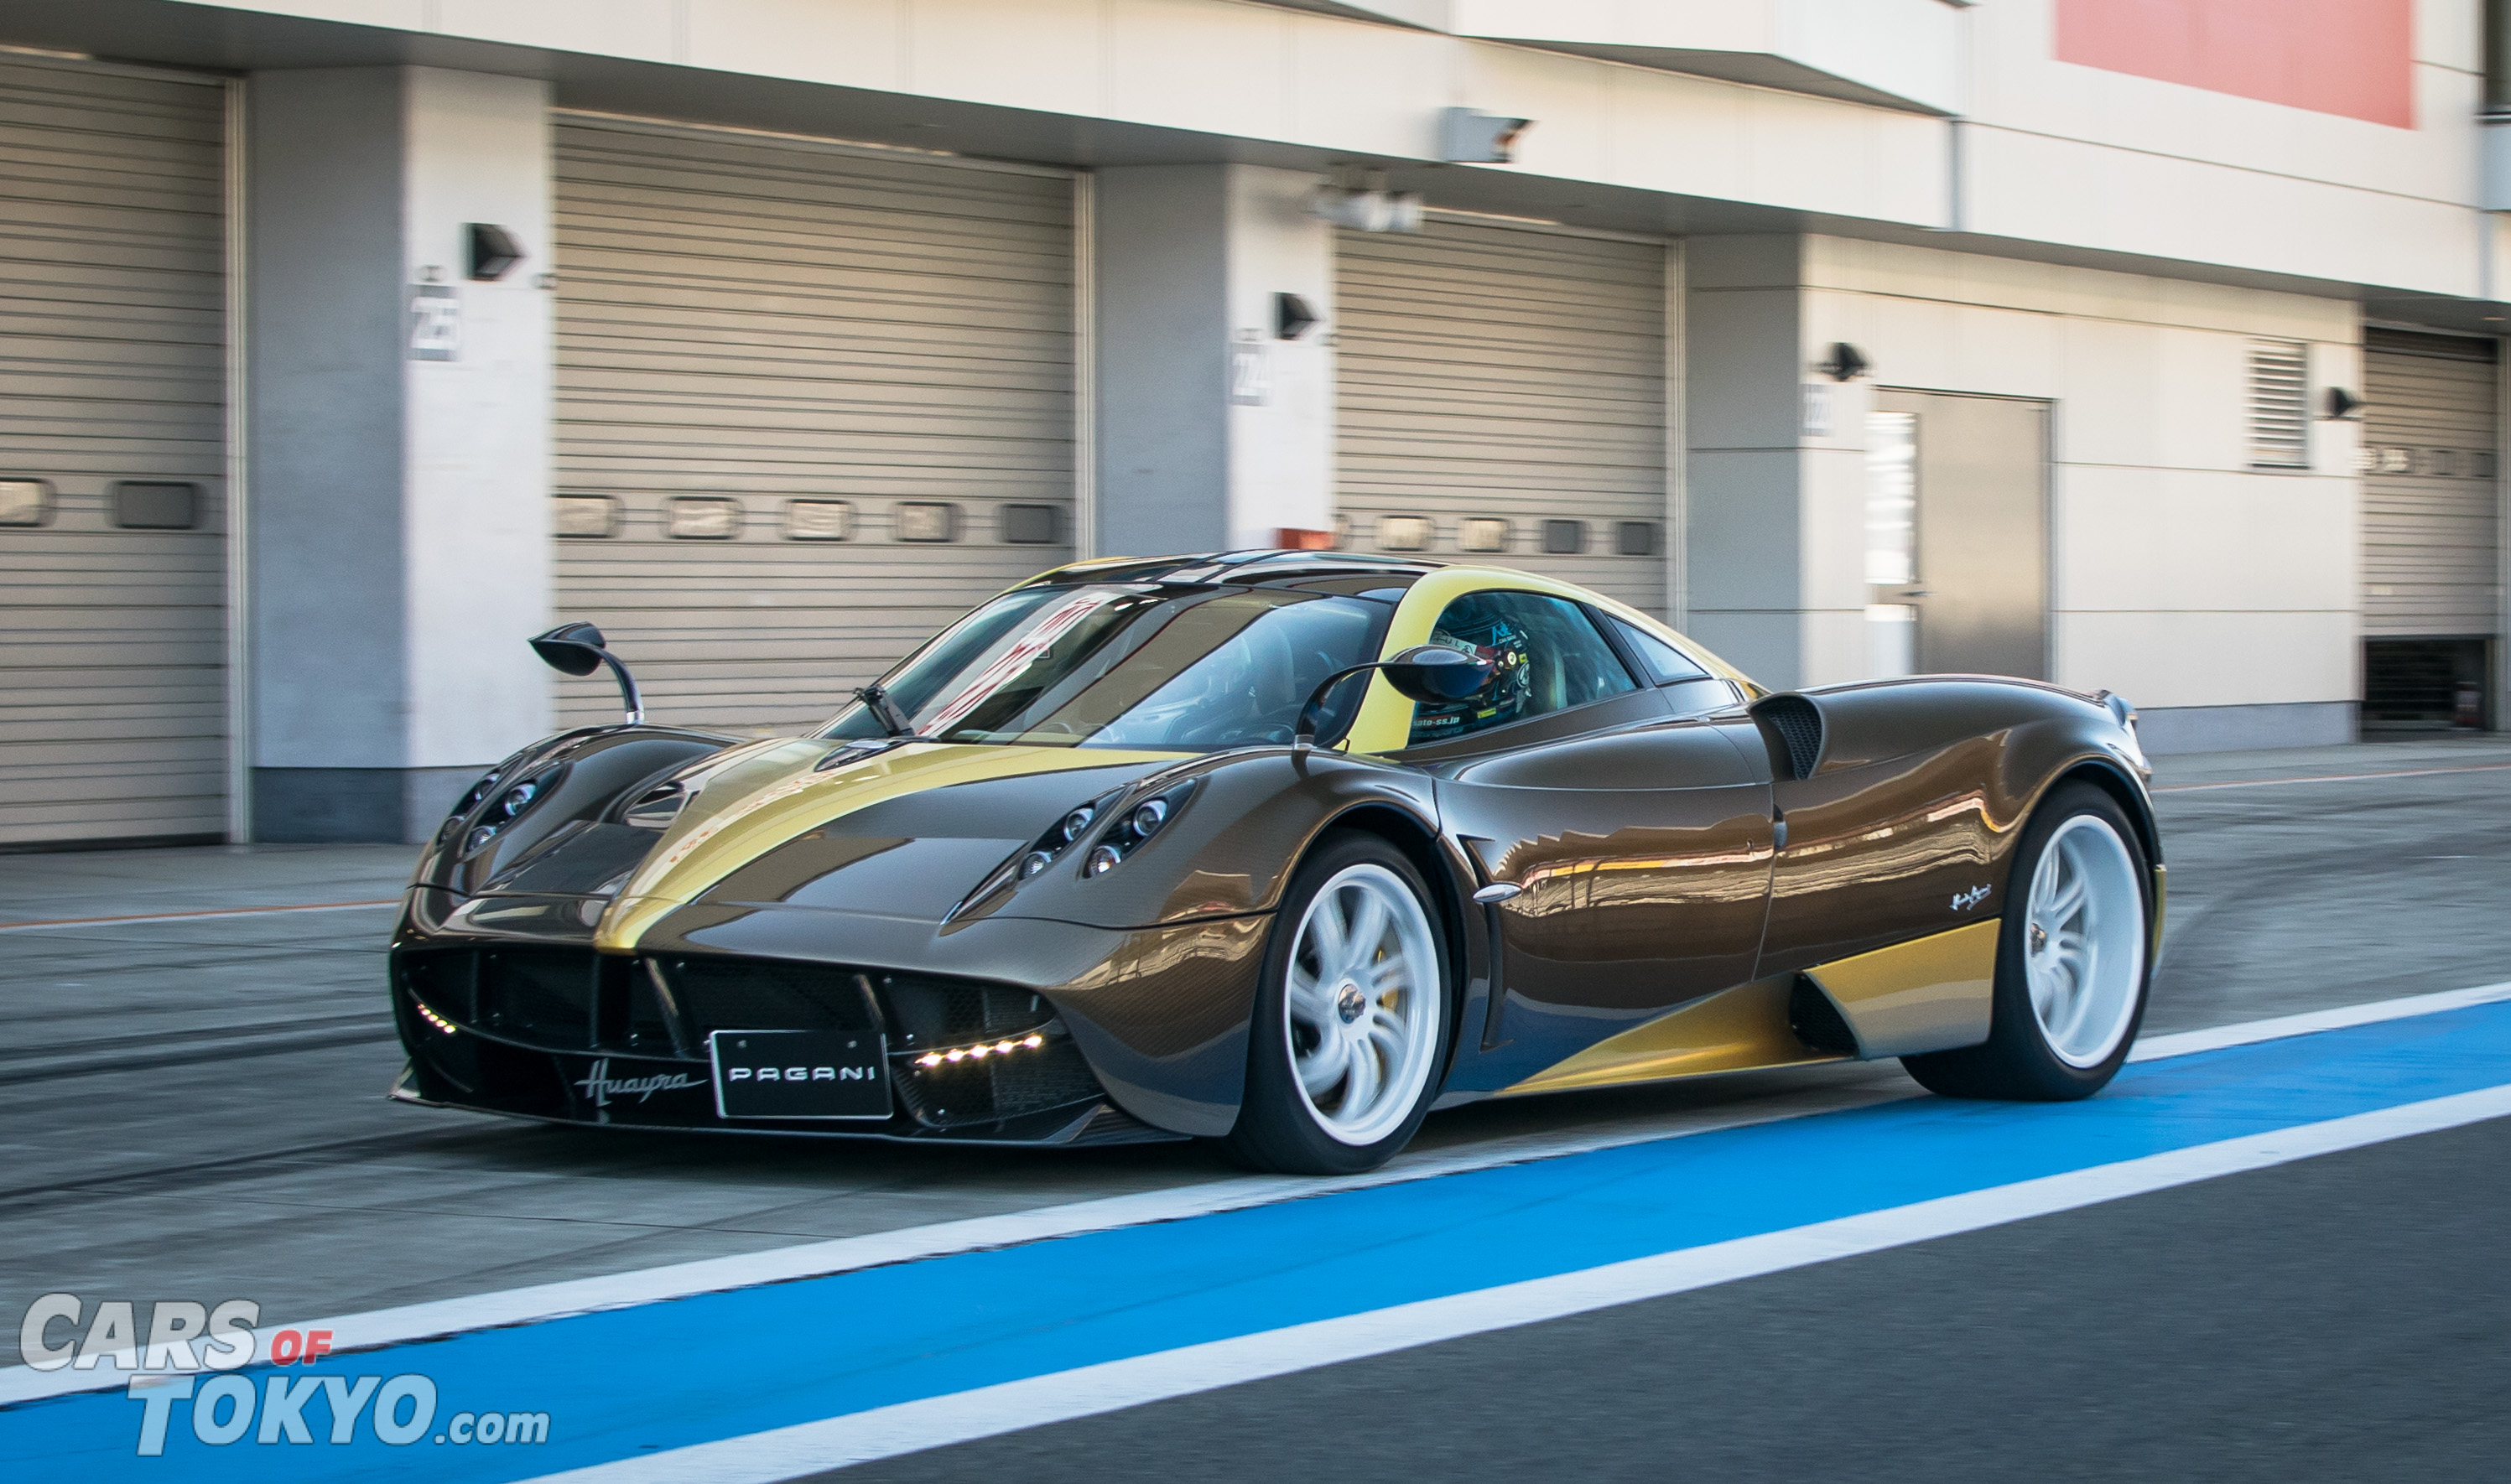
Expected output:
{"points": [[1496, 892], [1918, 593]]}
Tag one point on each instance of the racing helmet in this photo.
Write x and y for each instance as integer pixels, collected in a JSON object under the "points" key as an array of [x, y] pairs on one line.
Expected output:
{"points": [[1489, 635]]}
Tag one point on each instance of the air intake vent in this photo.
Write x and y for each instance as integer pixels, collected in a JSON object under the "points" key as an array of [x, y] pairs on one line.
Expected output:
{"points": [[2279, 405], [1797, 725], [1817, 1021]]}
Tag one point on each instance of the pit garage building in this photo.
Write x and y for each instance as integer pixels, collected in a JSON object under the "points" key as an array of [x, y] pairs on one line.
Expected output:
{"points": [[346, 342]]}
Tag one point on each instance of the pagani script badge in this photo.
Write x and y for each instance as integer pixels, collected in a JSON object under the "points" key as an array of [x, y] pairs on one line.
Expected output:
{"points": [[1963, 902], [599, 1084]]}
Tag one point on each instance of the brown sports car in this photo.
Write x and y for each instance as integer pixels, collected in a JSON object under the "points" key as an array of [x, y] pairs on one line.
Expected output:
{"points": [[1283, 849]]}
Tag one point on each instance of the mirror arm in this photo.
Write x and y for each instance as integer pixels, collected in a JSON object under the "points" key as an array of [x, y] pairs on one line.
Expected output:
{"points": [[630, 700], [1305, 736], [876, 700]]}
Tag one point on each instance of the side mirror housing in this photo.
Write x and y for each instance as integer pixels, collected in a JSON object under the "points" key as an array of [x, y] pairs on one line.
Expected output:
{"points": [[571, 649], [1429, 674], [576, 649], [1437, 675]]}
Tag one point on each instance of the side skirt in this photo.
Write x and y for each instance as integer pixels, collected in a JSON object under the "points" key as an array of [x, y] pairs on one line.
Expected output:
{"points": [[1735, 1029], [1929, 994]]}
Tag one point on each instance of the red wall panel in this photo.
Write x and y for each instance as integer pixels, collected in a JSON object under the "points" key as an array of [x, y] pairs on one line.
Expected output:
{"points": [[2354, 57]]}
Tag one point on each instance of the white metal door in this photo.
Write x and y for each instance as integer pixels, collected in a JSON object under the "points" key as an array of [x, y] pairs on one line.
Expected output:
{"points": [[813, 403], [1501, 396], [112, 456], [1957, 535]]}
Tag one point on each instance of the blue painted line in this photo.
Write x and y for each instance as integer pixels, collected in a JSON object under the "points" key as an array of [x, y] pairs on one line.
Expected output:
{"points": [[721, 1365]]}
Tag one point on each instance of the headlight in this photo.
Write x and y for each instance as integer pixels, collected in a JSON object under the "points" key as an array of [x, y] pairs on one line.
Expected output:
{"points": [[508, 807], [1136, 826]]}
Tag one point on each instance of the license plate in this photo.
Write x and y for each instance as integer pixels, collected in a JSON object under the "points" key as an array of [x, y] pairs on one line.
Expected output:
{"points": [[799, 1074]]}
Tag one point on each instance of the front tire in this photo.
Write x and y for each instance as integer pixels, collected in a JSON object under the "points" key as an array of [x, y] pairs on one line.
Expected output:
{"points": [[1352, 1022], [2072, 961]]}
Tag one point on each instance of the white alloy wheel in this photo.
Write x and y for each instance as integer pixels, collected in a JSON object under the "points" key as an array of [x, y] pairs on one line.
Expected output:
{"points": [[2083, 954], [1361, 1001]]}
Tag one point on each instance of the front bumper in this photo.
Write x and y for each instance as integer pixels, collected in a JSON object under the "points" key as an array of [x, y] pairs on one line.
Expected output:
{"points": [[506, 1006], [566, 1035]]}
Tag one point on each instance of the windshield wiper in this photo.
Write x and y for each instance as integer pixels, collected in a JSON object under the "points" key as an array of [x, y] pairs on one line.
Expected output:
{"points": [[885, 711]]}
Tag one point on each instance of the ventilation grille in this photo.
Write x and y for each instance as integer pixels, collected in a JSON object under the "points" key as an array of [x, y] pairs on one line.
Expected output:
{"points": [[2279, 405], [1798, 725], [1817, 1023]]}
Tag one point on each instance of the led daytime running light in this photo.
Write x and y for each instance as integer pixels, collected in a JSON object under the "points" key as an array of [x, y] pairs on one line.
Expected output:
{"points": [[983, 1049]]}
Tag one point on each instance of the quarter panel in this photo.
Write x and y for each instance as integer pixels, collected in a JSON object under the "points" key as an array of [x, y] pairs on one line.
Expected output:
{"points": [[1908, 826]]}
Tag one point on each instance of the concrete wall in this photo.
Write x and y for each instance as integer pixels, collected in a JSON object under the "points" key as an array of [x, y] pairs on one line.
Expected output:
{"points": [[1212, 433], [2051, 152], [399, 546], [2181, 577], [1744, 388]]}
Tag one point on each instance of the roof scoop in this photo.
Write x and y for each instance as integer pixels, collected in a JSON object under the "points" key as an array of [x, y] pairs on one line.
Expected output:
{"points": [[575, 649]]}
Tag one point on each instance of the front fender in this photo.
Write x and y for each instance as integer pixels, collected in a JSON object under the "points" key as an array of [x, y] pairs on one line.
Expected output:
{"points": [[584, 773], [1228, 851]]}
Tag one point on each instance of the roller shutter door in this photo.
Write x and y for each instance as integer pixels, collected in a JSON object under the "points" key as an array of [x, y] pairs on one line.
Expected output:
{"points": [[1488, 375], [2431, 552], [812, 404], [112, 447]]}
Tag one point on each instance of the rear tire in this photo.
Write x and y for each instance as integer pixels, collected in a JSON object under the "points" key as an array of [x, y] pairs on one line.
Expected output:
{"points": [[1352, 1022], [2073, 960]]}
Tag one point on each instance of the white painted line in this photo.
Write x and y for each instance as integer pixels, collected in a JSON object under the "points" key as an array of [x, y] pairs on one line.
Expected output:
{"points": [[2331, 778], [847, 1254], [2309, 1022], [917, 1426], [540, 1302], [190, 917]]}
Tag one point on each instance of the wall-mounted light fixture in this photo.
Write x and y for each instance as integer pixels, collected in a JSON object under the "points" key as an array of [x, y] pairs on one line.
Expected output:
{"points": [[493, 250], [1375, 210], [1468, 138], [1846, 363], [1291, 316], [2339, 405]]}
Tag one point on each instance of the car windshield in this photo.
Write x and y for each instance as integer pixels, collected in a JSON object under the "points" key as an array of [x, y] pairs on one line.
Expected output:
{"points": [[1113, 665]]}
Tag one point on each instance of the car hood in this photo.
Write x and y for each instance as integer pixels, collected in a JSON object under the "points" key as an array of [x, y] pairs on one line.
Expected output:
{"points": [[906, 831]]}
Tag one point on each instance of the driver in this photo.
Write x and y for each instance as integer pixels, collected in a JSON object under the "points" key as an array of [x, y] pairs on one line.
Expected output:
{"points": [[1477, 630]]}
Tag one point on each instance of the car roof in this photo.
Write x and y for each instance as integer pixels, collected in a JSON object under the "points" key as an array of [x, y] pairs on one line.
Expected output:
{"points": [[1256, 566]]}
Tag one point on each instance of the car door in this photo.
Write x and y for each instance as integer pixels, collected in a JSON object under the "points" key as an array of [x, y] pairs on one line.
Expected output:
{"points": [[1639, 839]]}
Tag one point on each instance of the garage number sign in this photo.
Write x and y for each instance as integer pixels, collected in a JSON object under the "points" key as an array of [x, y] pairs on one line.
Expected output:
{"points": [[434, 322]]}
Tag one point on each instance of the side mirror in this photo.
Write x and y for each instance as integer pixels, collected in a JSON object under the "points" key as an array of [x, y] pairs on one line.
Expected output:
{"points": [[575, 649], [1437, 675], [1429, 674]]}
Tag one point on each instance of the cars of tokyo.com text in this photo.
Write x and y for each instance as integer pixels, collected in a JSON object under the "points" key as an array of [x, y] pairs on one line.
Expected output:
{"points": [[188, 1369]]}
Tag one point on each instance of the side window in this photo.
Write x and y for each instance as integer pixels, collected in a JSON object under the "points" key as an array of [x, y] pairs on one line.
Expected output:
{"points": [[1549, 658], [1664, 663]]}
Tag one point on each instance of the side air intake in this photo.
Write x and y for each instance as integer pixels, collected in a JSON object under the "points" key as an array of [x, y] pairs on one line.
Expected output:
{"points": [[1818, 1022], [1797, 725]]}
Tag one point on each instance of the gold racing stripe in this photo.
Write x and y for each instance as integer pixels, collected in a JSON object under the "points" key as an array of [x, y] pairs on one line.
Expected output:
{"points": [[772, 794]]}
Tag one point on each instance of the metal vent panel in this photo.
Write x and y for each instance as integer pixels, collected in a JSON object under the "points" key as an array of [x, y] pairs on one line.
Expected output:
{"points": [[2279, 405]]}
